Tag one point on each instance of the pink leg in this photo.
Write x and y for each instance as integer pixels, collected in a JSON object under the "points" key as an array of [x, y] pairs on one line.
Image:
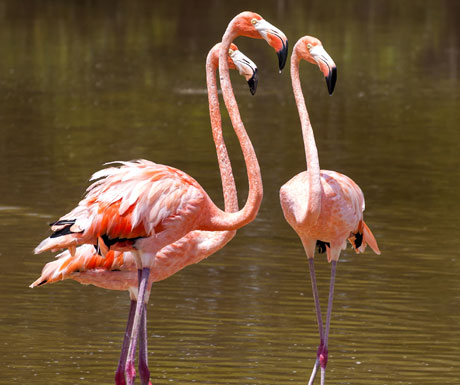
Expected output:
{"points": [[120, 373], [323, 356], [129, 368], [319, 318], [144, 372]]}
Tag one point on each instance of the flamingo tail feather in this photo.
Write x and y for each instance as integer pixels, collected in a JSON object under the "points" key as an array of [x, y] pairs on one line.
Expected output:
{"points": [[362, 238]]}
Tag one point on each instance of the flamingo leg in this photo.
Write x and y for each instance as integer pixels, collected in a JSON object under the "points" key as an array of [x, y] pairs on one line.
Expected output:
{"points": [[313, 372], [120, 373], [324, 353], [144, 372], [311, 265], [130, 372]]}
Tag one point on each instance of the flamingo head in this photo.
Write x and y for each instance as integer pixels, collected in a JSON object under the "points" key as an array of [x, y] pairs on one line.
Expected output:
{"points": [[251, 24], [236, 61], [245, 66], [310, 49]]}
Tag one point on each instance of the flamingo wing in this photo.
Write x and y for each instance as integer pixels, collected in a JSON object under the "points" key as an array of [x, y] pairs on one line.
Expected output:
{"points": [[350, 210], [85, 259], [343, 200], [135, 200]]}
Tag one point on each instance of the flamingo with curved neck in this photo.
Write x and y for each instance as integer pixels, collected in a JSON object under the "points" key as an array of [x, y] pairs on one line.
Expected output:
{"points": [[118, 271], [325, 208], [143, 207], [252, 25]]}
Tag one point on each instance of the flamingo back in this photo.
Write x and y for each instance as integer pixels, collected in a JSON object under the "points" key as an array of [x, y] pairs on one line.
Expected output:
{"points": [[136, 200]]}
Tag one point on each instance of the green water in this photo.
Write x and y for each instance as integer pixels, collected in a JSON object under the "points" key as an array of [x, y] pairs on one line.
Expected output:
{"points": [[86, 82]]}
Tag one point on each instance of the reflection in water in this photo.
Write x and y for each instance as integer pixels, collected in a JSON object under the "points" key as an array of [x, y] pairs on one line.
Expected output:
{"points": [[86, 83]]}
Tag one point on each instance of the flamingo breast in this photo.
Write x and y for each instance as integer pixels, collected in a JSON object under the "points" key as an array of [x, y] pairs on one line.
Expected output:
{"points": [[342, 205]]}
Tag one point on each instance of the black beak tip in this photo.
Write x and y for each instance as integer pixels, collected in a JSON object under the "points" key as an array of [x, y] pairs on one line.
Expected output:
{"points": [[331, 79], [282, 55], [253, 83]]}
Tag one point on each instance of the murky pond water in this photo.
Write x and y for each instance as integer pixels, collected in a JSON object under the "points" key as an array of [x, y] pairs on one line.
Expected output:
{"points": [[83, 83]]}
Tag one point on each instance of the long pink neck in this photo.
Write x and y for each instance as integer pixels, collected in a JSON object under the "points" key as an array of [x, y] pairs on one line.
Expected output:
{"points": [[313, 171], [225, 166], [231, 221]]}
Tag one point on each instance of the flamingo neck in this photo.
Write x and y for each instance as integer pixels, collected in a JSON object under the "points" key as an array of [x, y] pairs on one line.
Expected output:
{"points": [[220, 220], [311, 152], [225, 166]]}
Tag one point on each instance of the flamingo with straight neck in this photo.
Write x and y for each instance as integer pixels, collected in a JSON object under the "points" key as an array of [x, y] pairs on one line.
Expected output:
{"points": [[324, 207]]}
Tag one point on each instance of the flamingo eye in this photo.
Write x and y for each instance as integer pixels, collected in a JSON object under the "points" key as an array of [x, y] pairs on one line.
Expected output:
{"points": [[254, 21], [230, 52], [309, 46]]}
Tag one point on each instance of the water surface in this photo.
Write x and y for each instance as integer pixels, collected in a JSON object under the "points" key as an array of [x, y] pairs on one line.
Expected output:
{"points": [[83, 83]]}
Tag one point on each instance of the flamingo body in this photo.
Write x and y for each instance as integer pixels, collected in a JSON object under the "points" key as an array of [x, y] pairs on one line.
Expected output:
{"points": [[324, 207], [142, 207], [342, 206]]}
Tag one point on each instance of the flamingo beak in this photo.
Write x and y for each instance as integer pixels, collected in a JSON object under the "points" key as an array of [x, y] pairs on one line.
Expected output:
{"points": [[275, 38], [252, 82], [331, 78], [326, 65], [282, 55], [247, 68]]}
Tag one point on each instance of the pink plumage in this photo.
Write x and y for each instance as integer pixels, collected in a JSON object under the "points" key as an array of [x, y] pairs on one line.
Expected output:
{"points": [[159, 214], [136, 200], [325, 208]]}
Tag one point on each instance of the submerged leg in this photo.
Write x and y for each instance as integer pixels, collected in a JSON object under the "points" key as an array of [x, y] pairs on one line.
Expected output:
{"points": [[120, 373], [324, 353], [144, 372], [311, 265], [129, 367]]}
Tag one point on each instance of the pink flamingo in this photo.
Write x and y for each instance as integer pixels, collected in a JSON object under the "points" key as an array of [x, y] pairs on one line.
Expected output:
{"points": [[142, 206], [325, 208], [118, 270]]}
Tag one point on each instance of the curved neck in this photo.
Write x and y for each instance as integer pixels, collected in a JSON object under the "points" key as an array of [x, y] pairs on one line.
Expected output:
{"points": [[231, 221], [225, 166], [313, 171]]}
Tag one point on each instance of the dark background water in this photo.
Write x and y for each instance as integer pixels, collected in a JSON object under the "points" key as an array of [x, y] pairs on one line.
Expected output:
{"points": [[86, 82]]}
